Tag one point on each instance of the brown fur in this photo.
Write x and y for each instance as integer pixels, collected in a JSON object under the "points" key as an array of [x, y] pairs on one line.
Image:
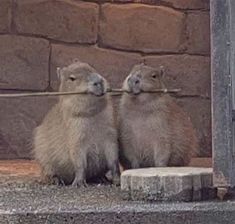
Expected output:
{"points": [[154, 131], [77, 140]]}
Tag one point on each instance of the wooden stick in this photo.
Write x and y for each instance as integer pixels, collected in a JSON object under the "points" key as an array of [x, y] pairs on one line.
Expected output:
{"points": [[115, 91]]}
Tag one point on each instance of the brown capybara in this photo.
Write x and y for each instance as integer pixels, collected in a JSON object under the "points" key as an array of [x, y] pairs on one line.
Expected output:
{"points": [[153, 130], [77, 140]]}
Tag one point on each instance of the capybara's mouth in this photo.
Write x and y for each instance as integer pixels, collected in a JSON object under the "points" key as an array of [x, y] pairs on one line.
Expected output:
{"points": [[101, 93], [135, 91]]}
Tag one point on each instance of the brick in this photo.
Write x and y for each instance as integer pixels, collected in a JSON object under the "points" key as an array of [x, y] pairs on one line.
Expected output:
{"points": [[178, 4], [113, 65], [5, 17], [19, 117], [201, 162], [190, 73], [144, 28], [24, 63], [166, 183], [198, 29], [62, 20], [200, 112], [188, 4]]}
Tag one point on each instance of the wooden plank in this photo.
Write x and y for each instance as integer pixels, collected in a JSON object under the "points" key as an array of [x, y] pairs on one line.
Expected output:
{"points": [[232, 60], [222, 53]]}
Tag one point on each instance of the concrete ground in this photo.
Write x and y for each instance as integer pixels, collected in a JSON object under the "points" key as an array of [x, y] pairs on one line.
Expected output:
{"points": [[24, 200]]}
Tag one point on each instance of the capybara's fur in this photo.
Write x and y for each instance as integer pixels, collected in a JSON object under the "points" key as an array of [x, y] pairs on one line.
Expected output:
{"points": [[153, 130], [77, 140]]}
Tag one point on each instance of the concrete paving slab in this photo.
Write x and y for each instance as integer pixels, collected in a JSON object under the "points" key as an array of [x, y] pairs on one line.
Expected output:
{"points": [[167, 184]]}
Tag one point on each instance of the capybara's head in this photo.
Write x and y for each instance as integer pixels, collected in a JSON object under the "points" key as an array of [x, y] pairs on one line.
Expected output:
{"points": [[143, 78], [81, 77]]}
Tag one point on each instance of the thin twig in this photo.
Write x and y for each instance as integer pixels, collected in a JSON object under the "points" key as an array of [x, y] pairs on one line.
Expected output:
{"points": [[115, 91]]}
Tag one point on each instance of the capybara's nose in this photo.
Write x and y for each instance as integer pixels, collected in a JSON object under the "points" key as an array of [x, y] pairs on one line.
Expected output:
{"points": [[134, 84], [98, 83], [137, 82], [133, 81]]}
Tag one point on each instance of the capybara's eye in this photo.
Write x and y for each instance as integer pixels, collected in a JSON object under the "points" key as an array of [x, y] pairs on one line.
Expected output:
{"points": [[154, 76], [72, 78]]}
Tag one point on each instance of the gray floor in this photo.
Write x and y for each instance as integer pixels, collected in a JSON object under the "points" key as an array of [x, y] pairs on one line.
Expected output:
{"points": [[32, 203]]}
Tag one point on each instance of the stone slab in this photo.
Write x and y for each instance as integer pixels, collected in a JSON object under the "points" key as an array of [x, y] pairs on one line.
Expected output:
{"points": [[19, 117], [198, 31], [64, 20], [201, 162], [136, 27], [167, 184], [24, 63], [5, 15], [178, 4], [188, 4]]}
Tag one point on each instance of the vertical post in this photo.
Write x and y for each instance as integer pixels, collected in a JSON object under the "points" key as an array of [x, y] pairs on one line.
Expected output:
{"points": [[223, 93], [232, 63]]}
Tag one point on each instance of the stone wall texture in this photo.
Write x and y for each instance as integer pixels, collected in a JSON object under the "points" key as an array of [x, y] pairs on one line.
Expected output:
{"points": [[36, 36]]}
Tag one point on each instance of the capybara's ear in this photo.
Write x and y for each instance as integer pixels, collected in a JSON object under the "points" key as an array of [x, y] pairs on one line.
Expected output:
{"points": [[162, 71], [58, 71], [76, 60]]}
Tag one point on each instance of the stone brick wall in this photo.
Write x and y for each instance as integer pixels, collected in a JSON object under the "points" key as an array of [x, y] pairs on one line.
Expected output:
{"points": [[36, 36]]}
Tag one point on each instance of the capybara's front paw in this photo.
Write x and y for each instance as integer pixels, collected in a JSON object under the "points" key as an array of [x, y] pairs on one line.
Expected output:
{"points": [[116, 180], [79, 183], [53, 180], [58, 181]]}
